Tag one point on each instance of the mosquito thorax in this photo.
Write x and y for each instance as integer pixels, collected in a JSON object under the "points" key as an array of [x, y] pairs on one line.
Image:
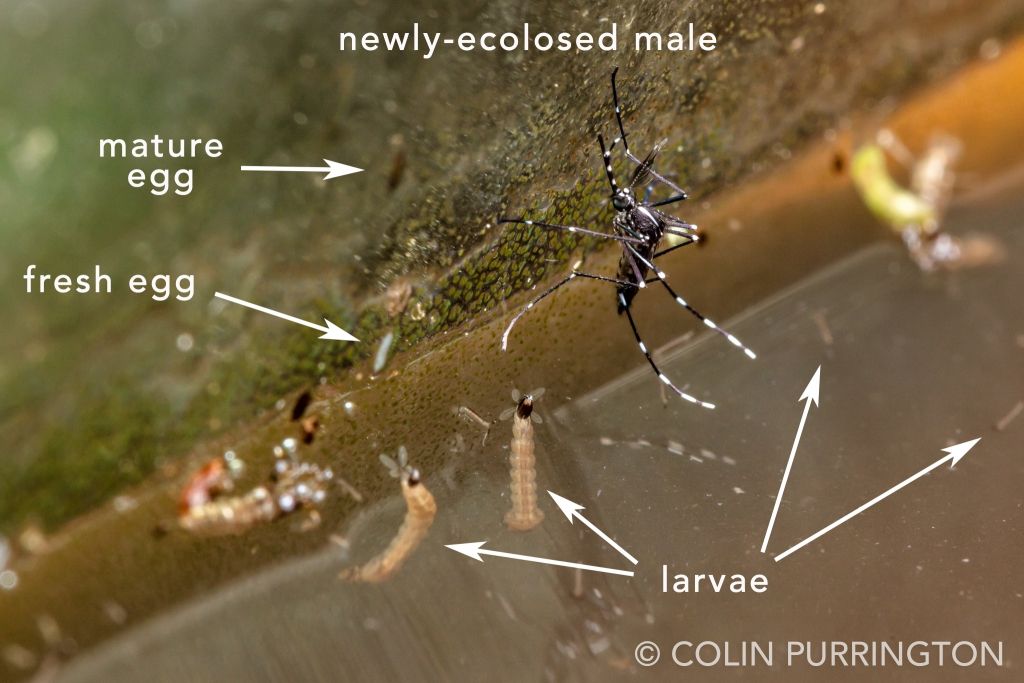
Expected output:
{"points": [[623, 199]]}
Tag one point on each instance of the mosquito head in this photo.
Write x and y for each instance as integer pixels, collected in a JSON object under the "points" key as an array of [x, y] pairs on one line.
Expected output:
{"points": [[623, 199]]}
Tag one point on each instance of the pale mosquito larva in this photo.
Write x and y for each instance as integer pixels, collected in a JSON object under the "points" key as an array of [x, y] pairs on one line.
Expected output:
{"points": [[419, 515], [525, 514], [916, 213], [205, 509]]}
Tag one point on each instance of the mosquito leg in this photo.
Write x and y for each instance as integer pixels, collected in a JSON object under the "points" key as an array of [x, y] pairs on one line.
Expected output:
{"points": [[657, 176], [640, 282], [680, 192], [671, 200], [677, 226], [659, 275], [692, 235], [572, 229], [606, 158], [550, 290], [678, 246], [647, 354], [625, 143]]}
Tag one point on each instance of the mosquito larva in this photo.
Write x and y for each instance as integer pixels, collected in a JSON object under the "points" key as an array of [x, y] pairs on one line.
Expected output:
{"points": [[293, 485], [419, 515], [915, 213], [229, 515], [525, 514], [210, 481]]}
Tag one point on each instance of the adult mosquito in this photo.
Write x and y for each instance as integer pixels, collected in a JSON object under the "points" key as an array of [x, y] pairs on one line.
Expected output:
{"points": [[639, 226]]}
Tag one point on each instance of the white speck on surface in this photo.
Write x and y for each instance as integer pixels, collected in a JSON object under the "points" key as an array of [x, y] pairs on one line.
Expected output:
{"points": [[184, 342], [8, 580], [990, 49]]}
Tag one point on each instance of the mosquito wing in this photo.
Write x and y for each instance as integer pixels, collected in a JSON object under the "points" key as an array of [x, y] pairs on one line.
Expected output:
{"points": [[642, 172], [507, 413]]}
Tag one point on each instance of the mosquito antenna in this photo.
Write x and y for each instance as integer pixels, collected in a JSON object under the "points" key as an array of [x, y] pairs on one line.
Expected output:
{"points": [[618, 110]]}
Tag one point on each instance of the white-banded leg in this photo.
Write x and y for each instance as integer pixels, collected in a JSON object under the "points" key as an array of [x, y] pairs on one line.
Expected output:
{"points": [[640, 282], [649, 192], [659, 275], [680, 193], [671, 200], [691, 239], [550, 290], [690, 232], [654, 366], [571, 228], [606, 159]]}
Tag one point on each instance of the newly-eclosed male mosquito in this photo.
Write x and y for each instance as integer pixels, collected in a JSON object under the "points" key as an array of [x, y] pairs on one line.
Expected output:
{"points": [[639, 227]]}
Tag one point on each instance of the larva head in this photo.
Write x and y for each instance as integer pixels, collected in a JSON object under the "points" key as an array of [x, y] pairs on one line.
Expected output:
{"points": [[524, 404], [525, 407], [412, 476]]}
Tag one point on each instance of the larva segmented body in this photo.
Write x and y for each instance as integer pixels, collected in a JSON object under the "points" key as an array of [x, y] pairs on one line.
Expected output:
{"points": [[419, 516], [525, 514], [295, 486], [230, 515]]}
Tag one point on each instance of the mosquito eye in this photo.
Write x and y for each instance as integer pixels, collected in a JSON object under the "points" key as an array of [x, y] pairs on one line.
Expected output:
{"points": [[620, 202]]}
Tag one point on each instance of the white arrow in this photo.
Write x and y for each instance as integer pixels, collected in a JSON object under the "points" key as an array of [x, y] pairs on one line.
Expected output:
{"points": [[330, 330], [333, 169], [811, 394], [571, 510], [955, 454], [475, 550]]}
